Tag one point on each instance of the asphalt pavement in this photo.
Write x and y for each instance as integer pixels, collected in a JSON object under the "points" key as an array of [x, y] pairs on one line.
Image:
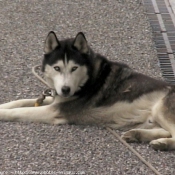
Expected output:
{"points": [[120, 30]]}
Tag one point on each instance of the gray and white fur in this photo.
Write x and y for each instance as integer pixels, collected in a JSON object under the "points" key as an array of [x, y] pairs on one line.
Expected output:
{"points": [[92, 90]]}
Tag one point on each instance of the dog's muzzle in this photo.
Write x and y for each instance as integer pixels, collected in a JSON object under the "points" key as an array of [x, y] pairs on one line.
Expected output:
{"points": [[65, 90]]}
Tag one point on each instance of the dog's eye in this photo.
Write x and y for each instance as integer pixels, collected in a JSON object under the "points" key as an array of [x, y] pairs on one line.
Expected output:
{"points": [[57, 68], [74, 68]]}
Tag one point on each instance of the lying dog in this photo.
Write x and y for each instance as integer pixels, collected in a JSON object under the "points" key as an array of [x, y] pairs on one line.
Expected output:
{"points": [[91, 90]]}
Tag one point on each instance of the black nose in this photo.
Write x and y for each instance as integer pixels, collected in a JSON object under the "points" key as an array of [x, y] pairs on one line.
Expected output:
{"points": [[65, 90]]}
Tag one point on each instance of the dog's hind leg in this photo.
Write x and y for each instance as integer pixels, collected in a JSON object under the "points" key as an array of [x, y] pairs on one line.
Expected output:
{"points": [[164, 114], [165, 144], [145, 135], [24, 103], [43, 114]]}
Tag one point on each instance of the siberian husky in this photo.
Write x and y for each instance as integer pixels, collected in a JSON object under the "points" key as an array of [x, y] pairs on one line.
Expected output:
{"points": [[92, 90]]}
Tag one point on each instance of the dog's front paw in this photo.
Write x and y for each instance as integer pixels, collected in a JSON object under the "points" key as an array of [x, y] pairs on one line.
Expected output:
{"points": [[132, 136]]}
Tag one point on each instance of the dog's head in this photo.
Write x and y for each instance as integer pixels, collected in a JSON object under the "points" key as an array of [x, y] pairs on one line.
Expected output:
{"points": [[66, 63]]}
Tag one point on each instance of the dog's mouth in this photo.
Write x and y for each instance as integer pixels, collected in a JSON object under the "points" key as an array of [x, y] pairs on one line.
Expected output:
{"points": [[65, 96]]}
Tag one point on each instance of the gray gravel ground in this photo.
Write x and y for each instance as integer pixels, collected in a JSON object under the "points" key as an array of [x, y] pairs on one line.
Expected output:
{"points": [[119, 30]]}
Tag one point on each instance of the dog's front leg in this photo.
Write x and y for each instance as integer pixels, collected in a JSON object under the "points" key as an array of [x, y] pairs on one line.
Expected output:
{"points": [[42, 114], [24, 103]]}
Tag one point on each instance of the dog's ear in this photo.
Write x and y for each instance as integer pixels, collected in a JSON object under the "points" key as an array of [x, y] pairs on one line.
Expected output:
{"points": [[80, 43], [51, 42]]}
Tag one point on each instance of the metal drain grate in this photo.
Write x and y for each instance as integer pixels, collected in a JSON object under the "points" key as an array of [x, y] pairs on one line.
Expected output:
{"points": [[162, 21]]}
